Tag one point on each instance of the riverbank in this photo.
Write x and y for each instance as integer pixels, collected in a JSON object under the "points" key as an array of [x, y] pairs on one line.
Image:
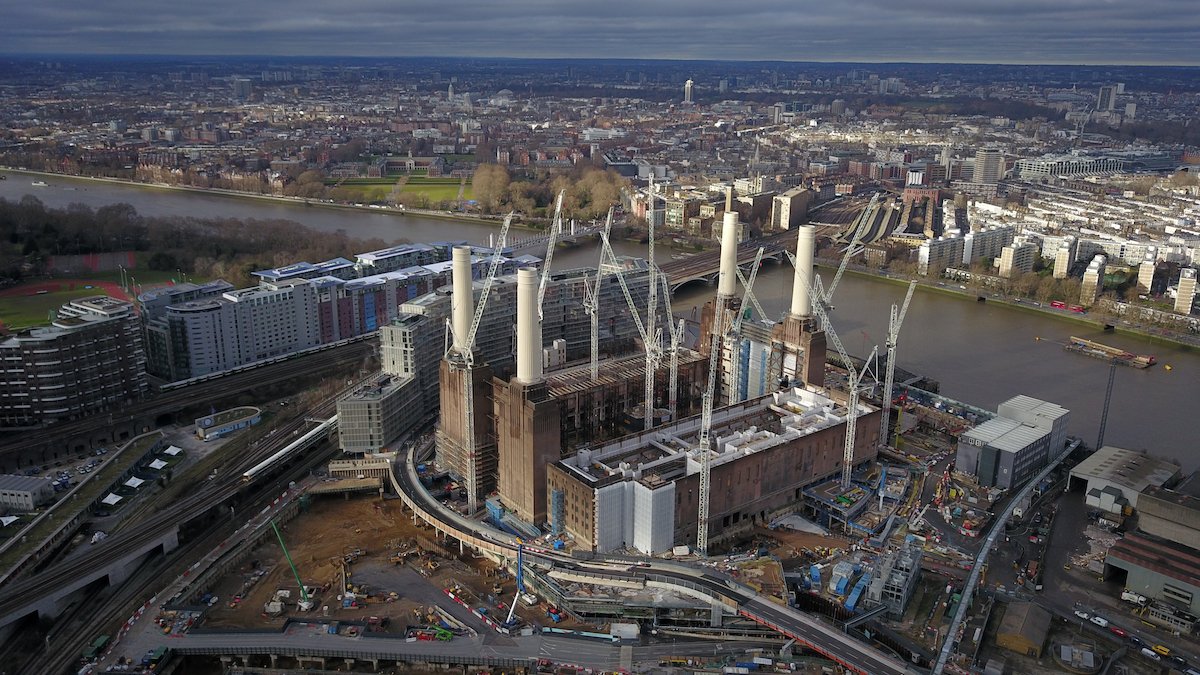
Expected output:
{"points": [[1172, 339], [280, 199]]}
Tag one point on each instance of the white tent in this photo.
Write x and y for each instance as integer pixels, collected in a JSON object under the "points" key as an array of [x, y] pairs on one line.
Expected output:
{"points": [[8, 520], [157, 464], [134, 482], [111, 499], [172, 451]]}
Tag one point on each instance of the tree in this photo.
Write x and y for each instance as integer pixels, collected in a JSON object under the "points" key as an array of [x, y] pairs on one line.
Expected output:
{"points": [[490, 184]]}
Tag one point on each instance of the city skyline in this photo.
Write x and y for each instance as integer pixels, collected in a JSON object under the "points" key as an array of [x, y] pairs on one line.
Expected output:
{"points": [[1156, 32]]}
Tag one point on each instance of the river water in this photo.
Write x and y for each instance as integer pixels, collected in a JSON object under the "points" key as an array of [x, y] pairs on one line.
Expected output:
{"points": [[982, 353]]}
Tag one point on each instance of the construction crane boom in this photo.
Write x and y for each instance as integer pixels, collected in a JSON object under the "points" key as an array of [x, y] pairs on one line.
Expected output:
{"points": [[592, 302], [889, 380], [762, 313], [735, 332], [555, 230], [853, 249], [854, 381], [704, 443], [468, 365]]}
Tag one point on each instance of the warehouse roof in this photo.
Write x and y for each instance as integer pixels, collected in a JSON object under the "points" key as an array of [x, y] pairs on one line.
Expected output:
{"points": [[27, 483], [1005, 434], [1127, 468], [1027, 621]]}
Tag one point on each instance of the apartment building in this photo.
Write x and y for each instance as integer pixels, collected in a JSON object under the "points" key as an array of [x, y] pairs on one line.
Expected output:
{"points": [[89, 359]]}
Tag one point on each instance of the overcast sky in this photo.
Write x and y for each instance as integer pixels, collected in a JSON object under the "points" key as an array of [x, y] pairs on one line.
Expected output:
{"points": [[981, 31]]}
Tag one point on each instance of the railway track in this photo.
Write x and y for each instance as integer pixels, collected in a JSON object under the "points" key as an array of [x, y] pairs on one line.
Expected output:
{"points": [[198, 394]]}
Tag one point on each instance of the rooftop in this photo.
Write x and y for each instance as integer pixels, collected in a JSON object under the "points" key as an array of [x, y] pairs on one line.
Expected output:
{"points": [[1127, 468], [15, 482], [738, 430], [1004, 434]]}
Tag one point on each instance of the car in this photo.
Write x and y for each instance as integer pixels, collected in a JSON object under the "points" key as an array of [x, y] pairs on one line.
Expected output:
{"points": [[1136, 641], [1082, 614], [1162, 650], [1118, 631], [1067, 566], [1100, 621], [1148, 653], [1177, 663]]}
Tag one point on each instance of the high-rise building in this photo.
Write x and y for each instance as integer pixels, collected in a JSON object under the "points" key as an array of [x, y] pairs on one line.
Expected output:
{"points": [[88, 360], [1017, 259], [989, 167], [935, 255], [1107, 99], [242, 88], [1145, 277], [838, 107], [688, 91], [1093, 281], [1064, 258], [1186, 296], [986, 243]]}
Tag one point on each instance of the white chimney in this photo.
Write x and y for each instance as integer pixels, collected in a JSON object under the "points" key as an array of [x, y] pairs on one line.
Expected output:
{"points": [[727, 277], [802, 281], [462, 300], [529, 327]]}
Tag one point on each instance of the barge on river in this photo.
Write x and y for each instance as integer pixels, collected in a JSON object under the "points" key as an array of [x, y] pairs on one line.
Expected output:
{"points": [[1101, 351]]}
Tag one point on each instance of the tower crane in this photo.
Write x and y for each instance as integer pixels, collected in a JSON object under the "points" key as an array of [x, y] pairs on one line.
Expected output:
{"points": [[653, 352], [704, 442], [465, 361], [555, 230], [853, 249], [674, 342], [762, 313], [855, 379], [733, 338], [591, 303], [889, 379]]}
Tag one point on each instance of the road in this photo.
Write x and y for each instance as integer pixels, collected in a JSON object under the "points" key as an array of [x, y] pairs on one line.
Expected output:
{"points": [[824, 638]]}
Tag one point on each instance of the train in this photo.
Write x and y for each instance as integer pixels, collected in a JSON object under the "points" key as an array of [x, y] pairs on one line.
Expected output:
{"points": [[312, 436], [180, 384]]}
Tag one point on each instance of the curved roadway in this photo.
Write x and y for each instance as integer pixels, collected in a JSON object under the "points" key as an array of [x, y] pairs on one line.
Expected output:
{"points": [[822, 638]]}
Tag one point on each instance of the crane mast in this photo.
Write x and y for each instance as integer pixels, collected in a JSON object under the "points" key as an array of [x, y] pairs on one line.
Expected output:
{"points": [[853, 249], [855, 379], [653, 350], [733, 339], [592, 302], [704, 441], [555, 230], [675, 340], [889, 379]]}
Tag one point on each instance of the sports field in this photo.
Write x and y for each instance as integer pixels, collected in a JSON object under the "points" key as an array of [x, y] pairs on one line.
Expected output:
{"points": [[29, 304]]}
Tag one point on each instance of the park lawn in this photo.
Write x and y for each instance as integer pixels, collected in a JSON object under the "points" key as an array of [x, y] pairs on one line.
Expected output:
{"points": [[441, 180], [370, 193], [23, 311], [361, 181], [437, 193]]}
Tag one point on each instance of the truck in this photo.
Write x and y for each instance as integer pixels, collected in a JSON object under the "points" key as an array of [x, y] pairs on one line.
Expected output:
{"points": [[529, 599], [1136, 598]]}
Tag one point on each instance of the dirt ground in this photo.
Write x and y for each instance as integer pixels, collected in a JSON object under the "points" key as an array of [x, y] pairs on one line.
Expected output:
{"points": [[333, 528], [797, 548]]}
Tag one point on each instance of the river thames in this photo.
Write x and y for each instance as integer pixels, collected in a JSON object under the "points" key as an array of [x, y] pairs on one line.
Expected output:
{"points": [[981, 353]]}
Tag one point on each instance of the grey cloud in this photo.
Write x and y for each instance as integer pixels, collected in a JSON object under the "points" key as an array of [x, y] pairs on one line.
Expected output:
{"points": [[1014, 31]]}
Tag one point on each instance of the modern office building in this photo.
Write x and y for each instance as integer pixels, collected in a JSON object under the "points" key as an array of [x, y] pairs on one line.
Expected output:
{"points": [[377, 413], [1009, 449], [1017, 259], [89, 359], [1093, 281], [689, 89], [1185, 297]]}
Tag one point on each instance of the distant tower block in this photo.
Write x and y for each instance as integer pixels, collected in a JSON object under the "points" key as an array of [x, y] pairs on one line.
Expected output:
{"points": [[688, 91]]}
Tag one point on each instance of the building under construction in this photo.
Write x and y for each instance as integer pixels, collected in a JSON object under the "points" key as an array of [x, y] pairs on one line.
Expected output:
{"points": [[642, 491]]}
